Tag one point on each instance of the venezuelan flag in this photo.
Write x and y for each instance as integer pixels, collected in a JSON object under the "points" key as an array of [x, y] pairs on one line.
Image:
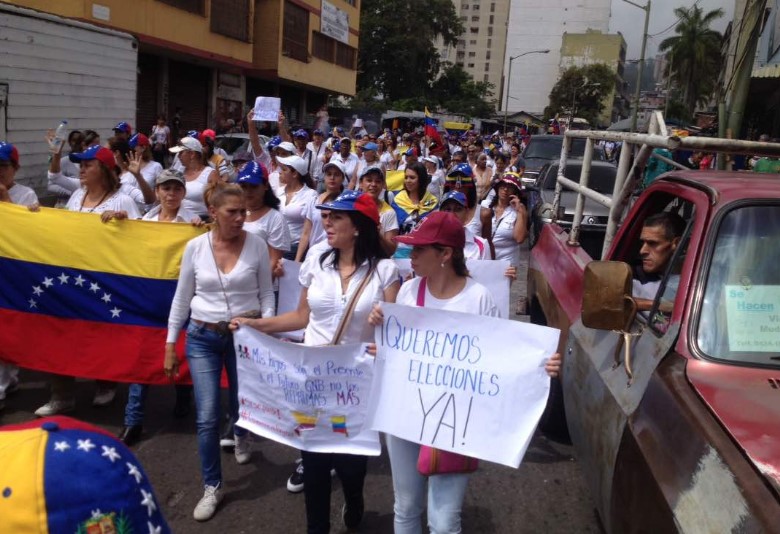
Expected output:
{"points": [[83, 298], [431, 130], [339, 424]]}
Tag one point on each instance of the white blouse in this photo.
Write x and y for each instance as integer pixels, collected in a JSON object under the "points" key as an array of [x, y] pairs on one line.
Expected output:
{"points": [[116, 202], [503, 237], [328, 304], [293, 210], [200, 294], [272, 228]]}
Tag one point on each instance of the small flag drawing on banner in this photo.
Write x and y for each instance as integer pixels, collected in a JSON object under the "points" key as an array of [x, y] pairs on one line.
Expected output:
{"points": [[339, 423], [305, 421]]}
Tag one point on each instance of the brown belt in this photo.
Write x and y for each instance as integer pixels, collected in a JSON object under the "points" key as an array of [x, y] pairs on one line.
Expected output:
{"points": [[214, 327]]}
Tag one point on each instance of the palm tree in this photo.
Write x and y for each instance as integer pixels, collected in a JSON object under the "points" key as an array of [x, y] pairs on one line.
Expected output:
{"points": [[694, 54]]}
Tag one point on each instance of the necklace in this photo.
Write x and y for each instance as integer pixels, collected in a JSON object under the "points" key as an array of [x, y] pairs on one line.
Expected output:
{"points": [[93, 208]]}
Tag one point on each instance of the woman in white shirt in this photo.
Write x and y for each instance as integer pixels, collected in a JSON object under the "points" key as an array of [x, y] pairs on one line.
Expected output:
{"points": [[262, 210], [148, 168], [443, 283], [298, 192], [509, 219], [372, 181], [330, 282], [460, 178], [224, 273], [197, 173], [313, 232]]}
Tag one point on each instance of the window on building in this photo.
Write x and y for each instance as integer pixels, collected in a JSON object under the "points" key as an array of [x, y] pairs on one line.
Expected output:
{"points": [[295, 34], [486, 78], [491, 20], [461, 43], [464, 18], [464, 6], [492, 8], [475, 6], [474, 30], [460, 56], [473, 42], [475, 18], [193, 6], [490, 31], [487, 67], [231, 19], [472, 54], [490, 43], [459, 63], [353, 3], [323, 47], [487, 54], [346, 56], [471, 65]]}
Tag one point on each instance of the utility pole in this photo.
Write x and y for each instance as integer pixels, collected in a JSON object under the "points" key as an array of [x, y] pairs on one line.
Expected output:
{"points": [[637, 94], [509, 79]]}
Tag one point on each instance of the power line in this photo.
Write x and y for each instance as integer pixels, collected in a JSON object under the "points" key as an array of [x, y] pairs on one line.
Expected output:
{"points": [[673, 24]]}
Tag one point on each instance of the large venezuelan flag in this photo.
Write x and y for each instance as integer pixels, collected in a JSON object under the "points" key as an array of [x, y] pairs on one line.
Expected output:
{"points": [[83, 298]]}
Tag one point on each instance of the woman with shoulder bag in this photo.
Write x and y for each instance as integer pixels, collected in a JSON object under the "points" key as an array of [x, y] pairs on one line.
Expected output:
{"points": [[443, 283], [224, 273], [340, 286]]}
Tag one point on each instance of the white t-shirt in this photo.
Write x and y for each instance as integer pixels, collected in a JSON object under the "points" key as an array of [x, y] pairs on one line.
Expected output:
{"points": [[182, 216], [475, 224], [193, 198], [129, 186], [116, 202], [350, 165], [476, 247], [70, 170], [388, 220], [200, 295], [474, 298], [315, 165], [160, 135], [503, 237], [22, 195], [387, 159], [293, 210], [314, 215], [328, 304], [272, 228], [150, 172]]}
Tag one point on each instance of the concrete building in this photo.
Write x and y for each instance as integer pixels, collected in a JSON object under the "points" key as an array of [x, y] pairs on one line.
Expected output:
{"points": [[209, 59], [480, 50], [540, 25], [592, 47]]}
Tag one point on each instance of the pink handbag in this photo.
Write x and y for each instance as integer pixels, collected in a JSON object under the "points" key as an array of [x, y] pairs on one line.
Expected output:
{"points": [[433, 461]]}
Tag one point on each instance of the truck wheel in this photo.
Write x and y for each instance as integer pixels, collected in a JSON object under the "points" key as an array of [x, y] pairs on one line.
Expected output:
{"points": [[553, 422]]}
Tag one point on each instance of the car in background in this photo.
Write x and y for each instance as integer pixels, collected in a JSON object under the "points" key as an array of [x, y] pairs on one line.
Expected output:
{"points": [[236, 142], [544, 149], [594, 215]]}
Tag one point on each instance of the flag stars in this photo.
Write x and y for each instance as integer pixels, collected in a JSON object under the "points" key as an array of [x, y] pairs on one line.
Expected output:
{"points": [[94, 287], [48, 282], [134, 472], [106, 297], [37, 290], [85, 445], [153, 529], [115, 312], [33, 304], [148, 501], [61, 446], [63, 278], [110, 453], [79, 281]]}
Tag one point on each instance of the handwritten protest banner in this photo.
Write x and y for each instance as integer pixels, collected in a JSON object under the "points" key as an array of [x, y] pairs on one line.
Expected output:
{"points": [[289, 296], [267, 108], [469, 384], [310, 398], [489, 273]]}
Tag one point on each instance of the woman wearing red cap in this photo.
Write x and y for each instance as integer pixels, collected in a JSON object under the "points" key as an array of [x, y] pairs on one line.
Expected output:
{"points": [[332, 281], [443, 283], [140, 161]]}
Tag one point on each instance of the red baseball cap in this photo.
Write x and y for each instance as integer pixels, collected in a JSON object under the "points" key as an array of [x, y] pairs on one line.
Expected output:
{"points": [[353, 201], [102, 154], [439, 228], [211, 134], [8, 152]]}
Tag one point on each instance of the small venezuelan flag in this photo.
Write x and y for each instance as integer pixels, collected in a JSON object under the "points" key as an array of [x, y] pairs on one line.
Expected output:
{"points": [[339, 423], [305, 421]]}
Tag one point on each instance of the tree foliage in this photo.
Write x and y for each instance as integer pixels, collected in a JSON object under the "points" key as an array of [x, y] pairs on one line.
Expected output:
{"points": [[456, 91], [397, 56], [580, 91], [694, 54]]}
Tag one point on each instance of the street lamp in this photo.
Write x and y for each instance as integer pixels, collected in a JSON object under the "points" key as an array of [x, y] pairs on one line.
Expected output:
{"points": [[637, 94], [509, 79]]}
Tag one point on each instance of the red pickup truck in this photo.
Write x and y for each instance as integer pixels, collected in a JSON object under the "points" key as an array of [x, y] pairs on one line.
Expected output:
{"points": [[680, 431]]}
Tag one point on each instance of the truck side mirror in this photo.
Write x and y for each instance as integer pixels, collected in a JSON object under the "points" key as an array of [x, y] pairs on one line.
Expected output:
{"points": [[606, 297]]}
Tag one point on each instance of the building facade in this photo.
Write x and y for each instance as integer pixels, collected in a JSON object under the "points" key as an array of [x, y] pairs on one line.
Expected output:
{"points": [[540, 25], [480, 50], [203, 62], [592, 47]]}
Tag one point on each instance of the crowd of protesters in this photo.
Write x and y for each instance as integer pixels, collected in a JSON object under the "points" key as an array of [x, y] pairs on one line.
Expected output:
{"points": [[316, 197]]}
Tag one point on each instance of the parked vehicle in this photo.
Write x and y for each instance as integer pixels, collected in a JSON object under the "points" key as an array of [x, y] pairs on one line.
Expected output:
{"points": [[544, 149], [236, 142], [675, 419], [593, 223]]}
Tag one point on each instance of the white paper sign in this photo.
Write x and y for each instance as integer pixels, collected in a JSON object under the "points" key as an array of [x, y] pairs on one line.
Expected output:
{"points": [[489, 273], [289, 296], [469, 384], [335, 22], [267, 108], [310, 398], [753, 315]]}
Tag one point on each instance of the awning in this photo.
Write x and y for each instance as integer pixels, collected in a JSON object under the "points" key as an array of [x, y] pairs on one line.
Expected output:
{"points": [[460, 126], [767, 71]]}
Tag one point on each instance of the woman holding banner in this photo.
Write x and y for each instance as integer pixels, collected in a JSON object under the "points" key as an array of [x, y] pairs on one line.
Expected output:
{"points": [[443, 283], [224, 273], [339, 288], [334, 175]]}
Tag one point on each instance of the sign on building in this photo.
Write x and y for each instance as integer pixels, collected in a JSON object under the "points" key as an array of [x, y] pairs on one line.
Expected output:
{"points": [[335, 22]]}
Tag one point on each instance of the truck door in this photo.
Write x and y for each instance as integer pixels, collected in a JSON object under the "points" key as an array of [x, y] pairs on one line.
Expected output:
{"points": [[598, 396]]}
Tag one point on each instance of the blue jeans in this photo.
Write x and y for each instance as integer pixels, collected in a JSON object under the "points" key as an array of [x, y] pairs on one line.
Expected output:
{"points": [[136, 398], [445, 492], [207, 353]]}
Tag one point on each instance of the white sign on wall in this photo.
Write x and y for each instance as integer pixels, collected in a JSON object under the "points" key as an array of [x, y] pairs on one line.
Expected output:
{"points": [[334, 22]]}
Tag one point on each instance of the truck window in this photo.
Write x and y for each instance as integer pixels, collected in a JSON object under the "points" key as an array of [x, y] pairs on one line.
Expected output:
{"points": [[739, 320]]}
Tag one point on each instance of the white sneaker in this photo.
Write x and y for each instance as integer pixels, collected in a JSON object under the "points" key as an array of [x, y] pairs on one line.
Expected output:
{"points": [[242, 449], [104, 397], [207, 506], [54, 407]]}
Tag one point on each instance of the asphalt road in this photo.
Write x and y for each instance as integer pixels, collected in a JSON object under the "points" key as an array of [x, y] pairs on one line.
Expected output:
{"points": [[546, 494]]}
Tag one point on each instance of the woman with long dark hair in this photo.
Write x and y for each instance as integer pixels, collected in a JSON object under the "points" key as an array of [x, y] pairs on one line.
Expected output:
{"points": [[313, 232], [509, 219], [330, 279]]}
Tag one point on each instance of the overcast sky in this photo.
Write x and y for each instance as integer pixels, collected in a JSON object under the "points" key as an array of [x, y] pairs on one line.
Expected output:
{"points": [[629, 21]]}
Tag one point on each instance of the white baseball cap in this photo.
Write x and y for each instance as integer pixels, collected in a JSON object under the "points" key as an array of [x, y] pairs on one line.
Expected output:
{"points": [[296, 162], [187, 143]]}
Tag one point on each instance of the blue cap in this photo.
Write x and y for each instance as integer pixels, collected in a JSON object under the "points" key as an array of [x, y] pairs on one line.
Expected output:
{"points": [[339, 129], [410, 152], [195, 134], [317, 132], [123, 127], [353, 201], [457, 196], [253, 173], [8, 152], [370, 146], [274, 142], [301, 133], [461, 169]]}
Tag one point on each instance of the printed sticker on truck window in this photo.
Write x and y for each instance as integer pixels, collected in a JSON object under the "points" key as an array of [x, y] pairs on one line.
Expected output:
{"points": [[753, 314]]}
